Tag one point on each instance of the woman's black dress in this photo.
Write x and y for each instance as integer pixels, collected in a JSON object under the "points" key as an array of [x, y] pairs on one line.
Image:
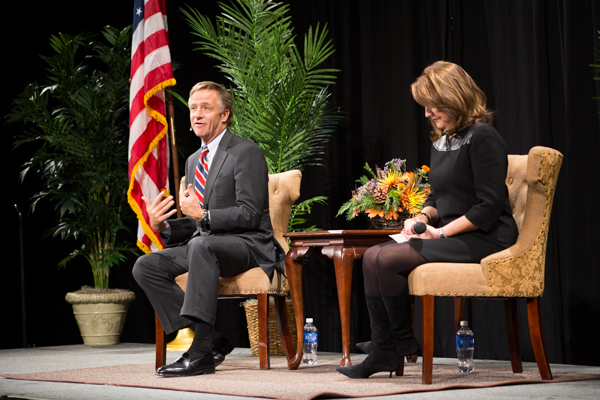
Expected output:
{"points": [[467, 177]]}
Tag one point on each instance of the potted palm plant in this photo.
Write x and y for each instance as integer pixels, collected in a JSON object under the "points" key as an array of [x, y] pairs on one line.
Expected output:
{"points": [[78, 117], [281, 96]]}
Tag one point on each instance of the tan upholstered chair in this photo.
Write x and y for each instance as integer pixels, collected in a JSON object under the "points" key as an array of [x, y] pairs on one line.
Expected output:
{"points": [[284, 190], [510, 274]]}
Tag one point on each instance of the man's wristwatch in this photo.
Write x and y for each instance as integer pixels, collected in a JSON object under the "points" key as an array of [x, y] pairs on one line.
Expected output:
{"points": [[205, 221], [441, 233]]}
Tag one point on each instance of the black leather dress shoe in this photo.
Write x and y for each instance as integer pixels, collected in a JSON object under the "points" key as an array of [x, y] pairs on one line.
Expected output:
{"points": [[218, 358], [183, 366], [220, 347]]}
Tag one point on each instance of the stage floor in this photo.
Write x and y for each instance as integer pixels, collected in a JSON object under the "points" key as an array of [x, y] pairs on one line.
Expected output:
{"points": [[17, 361]]}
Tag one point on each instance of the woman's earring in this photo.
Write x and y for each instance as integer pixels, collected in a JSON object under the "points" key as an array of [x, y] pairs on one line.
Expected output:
{"points": [[190, 128]]}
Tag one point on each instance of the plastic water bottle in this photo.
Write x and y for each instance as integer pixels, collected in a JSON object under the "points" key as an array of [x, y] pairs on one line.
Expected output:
{"points": [[309, 354], [465, 346]]}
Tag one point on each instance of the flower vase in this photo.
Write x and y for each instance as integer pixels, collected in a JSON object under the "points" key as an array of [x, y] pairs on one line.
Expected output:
{"points": [[379, 222]]}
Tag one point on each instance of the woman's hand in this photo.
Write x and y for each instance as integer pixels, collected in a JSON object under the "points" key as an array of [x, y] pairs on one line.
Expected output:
{"points": [[408, 225], [427, 216], [430, 231], [456, 227]]}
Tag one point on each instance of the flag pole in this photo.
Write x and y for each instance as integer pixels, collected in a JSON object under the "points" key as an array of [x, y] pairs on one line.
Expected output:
{"points": [[174, 157], [185, 336]]}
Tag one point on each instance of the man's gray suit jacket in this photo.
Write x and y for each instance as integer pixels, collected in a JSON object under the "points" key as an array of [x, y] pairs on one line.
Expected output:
{"points": [[237, 196]]}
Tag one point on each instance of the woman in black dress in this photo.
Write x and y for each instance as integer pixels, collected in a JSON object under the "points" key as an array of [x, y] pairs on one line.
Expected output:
{"points": [[467, 213]]}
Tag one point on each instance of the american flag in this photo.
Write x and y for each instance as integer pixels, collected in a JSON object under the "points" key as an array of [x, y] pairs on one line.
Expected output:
{"points": [[151, 72]]}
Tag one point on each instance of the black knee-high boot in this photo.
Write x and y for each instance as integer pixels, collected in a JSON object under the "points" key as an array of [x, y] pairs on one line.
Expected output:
{"points": [[399, 312], [383, 356]]}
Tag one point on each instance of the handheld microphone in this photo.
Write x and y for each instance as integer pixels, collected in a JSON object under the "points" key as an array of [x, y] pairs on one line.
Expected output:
{"points": [[418, 228]]}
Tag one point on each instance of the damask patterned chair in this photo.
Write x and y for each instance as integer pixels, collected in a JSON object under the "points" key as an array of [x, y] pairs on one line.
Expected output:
{"points": [[517, 272], [284, 190]]}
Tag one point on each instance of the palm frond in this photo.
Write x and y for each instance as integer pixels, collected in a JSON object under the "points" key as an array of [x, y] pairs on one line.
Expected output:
{"points": [[280, 96], [303, 208]]}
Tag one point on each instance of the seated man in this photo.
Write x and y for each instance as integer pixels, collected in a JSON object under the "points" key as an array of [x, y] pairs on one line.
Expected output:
{"points": [[227, 230]]}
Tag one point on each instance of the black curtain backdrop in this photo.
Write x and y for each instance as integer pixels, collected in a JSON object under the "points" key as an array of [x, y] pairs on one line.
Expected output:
{"points": [[530, 57]]}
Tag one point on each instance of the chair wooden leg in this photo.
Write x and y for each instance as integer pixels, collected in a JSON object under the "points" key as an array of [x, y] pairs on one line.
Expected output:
{"points": [[284, 328], [459, 311], [263, 331], [512, 333], [400, 369], [427, 311], [534, 317], [161, 344]]}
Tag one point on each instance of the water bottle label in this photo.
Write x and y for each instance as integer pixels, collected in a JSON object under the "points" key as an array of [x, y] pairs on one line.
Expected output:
{"points": [[465, 341], [310, 337]]}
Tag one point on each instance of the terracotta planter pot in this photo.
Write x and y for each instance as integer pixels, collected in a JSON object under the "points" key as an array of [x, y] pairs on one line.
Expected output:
{"points": [[100, 316]]}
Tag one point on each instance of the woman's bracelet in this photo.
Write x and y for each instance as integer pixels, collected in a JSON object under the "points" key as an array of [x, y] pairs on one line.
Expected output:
{"points": [[426, 216]]}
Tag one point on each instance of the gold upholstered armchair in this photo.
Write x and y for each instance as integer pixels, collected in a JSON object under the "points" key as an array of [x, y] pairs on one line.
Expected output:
{"points": [[516, 272], [284, 190]]}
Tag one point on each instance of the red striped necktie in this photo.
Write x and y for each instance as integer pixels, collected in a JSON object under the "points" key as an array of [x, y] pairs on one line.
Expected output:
{"points": [[201, 174]]}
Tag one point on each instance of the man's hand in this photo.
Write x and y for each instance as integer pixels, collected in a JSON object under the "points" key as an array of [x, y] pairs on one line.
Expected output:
{"points": [[157, 211], [189, 203]]}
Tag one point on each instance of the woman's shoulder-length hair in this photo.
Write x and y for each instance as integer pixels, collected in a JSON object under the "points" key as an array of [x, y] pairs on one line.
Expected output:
{"points": [[448, 87]]}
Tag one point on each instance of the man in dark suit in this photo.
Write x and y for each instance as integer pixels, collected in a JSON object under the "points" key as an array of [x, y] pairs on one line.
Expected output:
{"points": [[227, 230]]}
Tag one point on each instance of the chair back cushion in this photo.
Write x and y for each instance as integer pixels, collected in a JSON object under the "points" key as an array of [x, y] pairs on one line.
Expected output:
{"points": [[284, 190], [519, 270], [516, 181]]}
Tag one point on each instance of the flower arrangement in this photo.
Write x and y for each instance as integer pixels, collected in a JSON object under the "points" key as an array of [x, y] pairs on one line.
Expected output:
{"points": [[392, 194]]}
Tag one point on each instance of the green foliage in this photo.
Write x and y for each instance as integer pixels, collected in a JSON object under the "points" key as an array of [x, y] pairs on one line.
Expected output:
{"points": [[79, 118], [303, 208], [281, 97]]}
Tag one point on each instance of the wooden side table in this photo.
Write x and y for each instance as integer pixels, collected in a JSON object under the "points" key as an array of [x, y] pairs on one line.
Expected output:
{"points": [[343, 246]]}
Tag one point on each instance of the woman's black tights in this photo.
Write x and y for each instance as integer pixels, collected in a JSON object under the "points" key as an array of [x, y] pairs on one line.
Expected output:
{"points": [[386, 268]]}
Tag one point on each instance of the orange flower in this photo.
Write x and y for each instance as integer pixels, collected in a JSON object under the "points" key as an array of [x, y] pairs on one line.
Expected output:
{"points": [[392, 179], [372, 213], [425, 168], [408, 178], [412, 199], [392, 214]]}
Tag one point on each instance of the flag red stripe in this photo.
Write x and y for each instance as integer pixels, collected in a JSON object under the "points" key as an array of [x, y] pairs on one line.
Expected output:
{"points": [[141, 145], [149, 45], [153, 7], [159, 75]]}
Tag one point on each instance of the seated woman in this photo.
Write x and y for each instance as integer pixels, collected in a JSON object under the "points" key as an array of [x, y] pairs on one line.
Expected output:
{"points": [[467, 213]]}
